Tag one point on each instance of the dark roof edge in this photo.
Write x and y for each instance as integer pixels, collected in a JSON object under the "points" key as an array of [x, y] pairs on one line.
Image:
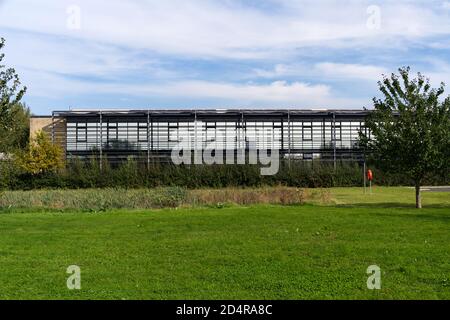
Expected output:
{"points": [[80, 112]]}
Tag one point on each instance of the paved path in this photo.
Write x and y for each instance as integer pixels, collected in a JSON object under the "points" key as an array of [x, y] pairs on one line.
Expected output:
{"points": [[436, 189]]}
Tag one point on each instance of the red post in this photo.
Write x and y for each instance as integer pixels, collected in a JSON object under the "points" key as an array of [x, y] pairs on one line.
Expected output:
{"points": [[370, 178]]}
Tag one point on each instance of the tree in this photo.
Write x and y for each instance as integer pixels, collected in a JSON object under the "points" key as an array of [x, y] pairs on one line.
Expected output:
{"points": [[410, 128], [41, 156], [11, 112], [16, 134]]}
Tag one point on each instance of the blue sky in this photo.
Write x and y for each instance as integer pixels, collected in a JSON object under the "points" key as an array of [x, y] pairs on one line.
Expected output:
{"points": [[221, 53]]}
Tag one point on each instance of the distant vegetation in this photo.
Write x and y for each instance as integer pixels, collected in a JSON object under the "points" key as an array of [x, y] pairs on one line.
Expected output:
{"points": [[96, 200], [130, 175]]}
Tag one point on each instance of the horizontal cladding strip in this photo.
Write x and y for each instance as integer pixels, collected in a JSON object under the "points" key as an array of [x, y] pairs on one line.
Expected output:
{"points": [[213, 113]]}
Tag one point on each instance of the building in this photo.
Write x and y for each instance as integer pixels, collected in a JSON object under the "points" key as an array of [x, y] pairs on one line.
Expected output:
{"points": [[151, 135]]}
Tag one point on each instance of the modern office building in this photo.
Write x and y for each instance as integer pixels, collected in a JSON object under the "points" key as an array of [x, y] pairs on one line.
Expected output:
{"points": [[151, 135]]}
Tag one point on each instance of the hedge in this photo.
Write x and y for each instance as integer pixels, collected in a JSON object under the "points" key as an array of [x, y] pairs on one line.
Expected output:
{"points": [[80, 175]]}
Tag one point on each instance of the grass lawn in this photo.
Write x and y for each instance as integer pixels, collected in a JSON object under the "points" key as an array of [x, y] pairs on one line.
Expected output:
{"points": [[261, 252]]}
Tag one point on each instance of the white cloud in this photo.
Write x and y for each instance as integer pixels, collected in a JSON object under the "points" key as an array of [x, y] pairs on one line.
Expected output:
{"points": [[115, 33], [274, 94], [79, 58], [439, 71], [279, 70], [351, 71], [321, 70], [225, 29]]}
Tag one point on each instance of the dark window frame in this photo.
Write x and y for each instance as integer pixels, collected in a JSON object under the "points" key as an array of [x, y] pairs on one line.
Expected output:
{"points": [[310, 128], [141, 126], [112, 127], [81, 127]]}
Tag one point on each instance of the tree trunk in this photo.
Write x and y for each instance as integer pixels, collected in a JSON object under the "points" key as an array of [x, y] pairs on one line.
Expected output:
{"points": [[418, 196]]}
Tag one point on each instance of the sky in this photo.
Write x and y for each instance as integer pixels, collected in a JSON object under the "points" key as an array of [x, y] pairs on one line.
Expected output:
{"points": [[308, 54]]}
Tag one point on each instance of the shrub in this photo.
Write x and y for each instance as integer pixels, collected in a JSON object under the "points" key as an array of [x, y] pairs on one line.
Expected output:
{"points": [[41, 156], [131, 175]]}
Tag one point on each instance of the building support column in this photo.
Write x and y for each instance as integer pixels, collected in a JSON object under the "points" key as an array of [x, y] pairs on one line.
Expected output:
{"points": [[148, 139], [101, 141], [334, 140], [289, 139], [241, 153], [195, 137], [53, 127]]}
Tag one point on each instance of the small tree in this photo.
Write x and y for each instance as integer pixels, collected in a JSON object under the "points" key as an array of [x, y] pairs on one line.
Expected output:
{"points": [[42, 156], [12, 113], [410, 128], [16, 134]]}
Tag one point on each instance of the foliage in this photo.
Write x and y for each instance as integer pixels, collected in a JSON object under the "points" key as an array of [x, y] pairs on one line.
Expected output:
{"points": [[13, 115], [80, 174], [41, 156], [16, 134], [410, 128]]}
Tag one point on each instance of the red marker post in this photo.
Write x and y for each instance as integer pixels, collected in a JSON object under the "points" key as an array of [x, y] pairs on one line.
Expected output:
{"points": [[370, 178]]}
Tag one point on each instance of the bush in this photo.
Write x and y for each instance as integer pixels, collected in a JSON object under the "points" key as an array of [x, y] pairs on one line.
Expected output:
{"points": [[41, 156], [131, 175]]}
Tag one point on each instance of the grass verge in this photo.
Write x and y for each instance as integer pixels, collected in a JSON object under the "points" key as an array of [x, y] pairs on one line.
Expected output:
{"points": [[311, 251], [258, 252], [108, 199]]}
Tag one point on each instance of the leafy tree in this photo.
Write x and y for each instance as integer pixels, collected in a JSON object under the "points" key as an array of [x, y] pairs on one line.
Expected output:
{"points": [[42, 156], [16, 134], [12, 113], [410, 128]]}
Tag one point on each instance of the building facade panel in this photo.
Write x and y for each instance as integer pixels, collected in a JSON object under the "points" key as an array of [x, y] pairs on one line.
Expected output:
{"points": [[151, 135]]}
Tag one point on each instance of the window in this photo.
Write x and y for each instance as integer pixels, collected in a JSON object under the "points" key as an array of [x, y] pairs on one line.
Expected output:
{"points": [[112, 132], [307, 131], [81, 132], [143, 132], [338, 132]]}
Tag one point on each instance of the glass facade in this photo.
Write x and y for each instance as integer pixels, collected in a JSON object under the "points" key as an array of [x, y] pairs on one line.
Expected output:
{"points": [[298, 134]]}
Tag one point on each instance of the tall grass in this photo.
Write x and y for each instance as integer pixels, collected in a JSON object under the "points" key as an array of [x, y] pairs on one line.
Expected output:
{"points": [[104, 199], [265, 195], [94, 199]]}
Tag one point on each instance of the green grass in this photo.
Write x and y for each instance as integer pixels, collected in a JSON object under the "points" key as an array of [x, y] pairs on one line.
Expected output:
{"points": [[388, 197], [257, 252]]}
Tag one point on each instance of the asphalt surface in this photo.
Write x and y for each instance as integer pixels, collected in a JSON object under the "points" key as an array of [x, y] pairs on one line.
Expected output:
{"points": [[436, 189]]}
